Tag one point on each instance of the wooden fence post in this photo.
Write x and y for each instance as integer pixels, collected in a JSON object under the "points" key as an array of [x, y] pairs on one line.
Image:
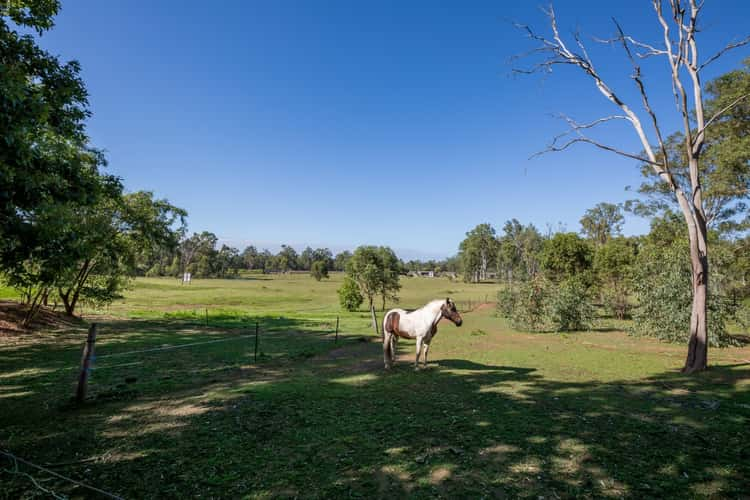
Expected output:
{"points": [[256, 342], [337, 330], [88, 353]]}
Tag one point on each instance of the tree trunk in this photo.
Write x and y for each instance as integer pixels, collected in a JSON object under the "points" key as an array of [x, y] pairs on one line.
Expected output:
{"points": [[374, 318], [697, 356]]}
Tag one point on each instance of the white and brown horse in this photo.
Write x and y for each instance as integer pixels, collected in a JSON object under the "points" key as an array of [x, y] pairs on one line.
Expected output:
{"points": [[420, 324]]}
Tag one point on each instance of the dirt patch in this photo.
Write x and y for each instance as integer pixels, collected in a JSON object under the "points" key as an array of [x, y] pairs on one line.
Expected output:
{"points": [[12, 314]]}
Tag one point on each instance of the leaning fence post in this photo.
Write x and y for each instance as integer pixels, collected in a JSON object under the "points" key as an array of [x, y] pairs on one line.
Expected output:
{"points": [[256, 342], [337, 329], [88, 353]]}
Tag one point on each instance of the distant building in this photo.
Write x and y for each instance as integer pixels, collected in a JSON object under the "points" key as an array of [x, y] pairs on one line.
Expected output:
{"points": [[422, 274]]}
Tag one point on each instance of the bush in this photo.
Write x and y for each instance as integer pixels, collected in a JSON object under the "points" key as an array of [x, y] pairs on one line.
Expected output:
{"points": [[664, 292], [318, 270], [570, 306], [349, 296], [539, 305]]}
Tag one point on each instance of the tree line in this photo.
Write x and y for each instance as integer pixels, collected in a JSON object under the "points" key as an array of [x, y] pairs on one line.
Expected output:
{"points": [[201, 256]]}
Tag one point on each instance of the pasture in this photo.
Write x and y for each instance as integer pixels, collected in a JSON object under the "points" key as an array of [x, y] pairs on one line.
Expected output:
{"points": [[496, 414]]}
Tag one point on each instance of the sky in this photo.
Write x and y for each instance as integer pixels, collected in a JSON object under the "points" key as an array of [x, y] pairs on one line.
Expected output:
{"points": [[339, 123]]}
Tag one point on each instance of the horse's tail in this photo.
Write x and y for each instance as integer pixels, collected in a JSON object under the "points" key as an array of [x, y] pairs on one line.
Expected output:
{"points": [[388, 333]]}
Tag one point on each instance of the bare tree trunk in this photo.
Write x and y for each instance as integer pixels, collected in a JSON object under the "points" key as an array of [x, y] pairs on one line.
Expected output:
{"points": [[697, 355], [35, 303], [374, 318]]}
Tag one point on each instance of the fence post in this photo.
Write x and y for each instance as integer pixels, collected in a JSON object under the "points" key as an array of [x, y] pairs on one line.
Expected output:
{"points": [[337, 330], [256, 342], [207, 317], [88, 353]]}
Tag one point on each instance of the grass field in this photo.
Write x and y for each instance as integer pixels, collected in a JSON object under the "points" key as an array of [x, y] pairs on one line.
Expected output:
{"points": [[496, 414]]}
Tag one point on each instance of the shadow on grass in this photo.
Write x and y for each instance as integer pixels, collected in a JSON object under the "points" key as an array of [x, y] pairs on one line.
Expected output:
{"points": [[337, 425], [136, 357]]}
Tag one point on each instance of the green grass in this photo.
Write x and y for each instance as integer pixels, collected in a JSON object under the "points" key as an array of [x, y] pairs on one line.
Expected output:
{"points": [[497, 413]]}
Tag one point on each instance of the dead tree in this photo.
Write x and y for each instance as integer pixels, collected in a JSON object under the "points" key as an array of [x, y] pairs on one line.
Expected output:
{"points": [[679, 48]]}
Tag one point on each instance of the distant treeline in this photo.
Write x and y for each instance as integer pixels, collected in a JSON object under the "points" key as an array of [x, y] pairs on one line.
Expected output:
{"points": [[201, 256]]}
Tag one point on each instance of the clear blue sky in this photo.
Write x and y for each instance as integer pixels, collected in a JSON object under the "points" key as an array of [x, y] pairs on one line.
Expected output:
{"points": [[341, 123]]}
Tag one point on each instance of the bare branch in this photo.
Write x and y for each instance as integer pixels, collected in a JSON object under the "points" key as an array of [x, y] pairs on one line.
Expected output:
{"points": [[650, 49], [723, 51], [723, 110], [555, 148], [576, 128], [644, 95]]}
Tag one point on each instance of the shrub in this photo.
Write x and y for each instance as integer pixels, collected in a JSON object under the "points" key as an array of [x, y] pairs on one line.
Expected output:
{"points": [[349, 296], [540, 305], [570, 306], [663, 288], [318, 270]]}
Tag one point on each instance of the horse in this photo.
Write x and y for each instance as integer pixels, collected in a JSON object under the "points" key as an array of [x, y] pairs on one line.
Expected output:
{"points": [[420, 324]]}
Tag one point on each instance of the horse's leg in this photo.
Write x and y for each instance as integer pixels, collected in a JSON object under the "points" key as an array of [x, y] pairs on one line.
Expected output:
{"points": [[426, 350], [387, 345], [419, 351]]}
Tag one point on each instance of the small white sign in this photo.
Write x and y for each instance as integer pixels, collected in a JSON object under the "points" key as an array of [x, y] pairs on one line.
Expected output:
{"points": [[186, 278]]}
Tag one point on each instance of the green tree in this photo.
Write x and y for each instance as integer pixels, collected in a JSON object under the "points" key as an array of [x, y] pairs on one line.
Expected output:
{"points": [[601, 223], [250, 258], [319, 270], [341, 259], [196, 253], [518, 251], [566, 255], [390, 270], [375, 270], [478, 250], [613, 263], [286, 259], [305, 259], [46, 163], [349, 295]]}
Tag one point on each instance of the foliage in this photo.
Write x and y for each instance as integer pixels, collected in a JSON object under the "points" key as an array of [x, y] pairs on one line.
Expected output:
{"points": [[349, 296], [725, 160], [602, 222], [663, 290], [45, 158], [518, 251], [319, 270], [376, 271], [525, 305], [541, 305], [566, 256], [570, 307], [339, 263], [613, 263], [477, 252]]}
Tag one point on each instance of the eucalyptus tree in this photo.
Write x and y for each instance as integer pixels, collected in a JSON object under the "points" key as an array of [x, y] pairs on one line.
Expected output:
{"points": [[478, 250], [602, 222], [679, 49]]}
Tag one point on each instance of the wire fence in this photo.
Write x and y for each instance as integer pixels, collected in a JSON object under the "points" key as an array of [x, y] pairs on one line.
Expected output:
{"points": [[15, 469], [194, 353]]}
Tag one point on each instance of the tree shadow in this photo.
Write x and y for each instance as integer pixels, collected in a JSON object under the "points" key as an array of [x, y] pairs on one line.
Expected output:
{"points": [[333, 426]]}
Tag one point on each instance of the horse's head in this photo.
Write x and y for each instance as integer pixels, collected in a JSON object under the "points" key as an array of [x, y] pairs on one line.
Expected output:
{"points": [[449, 311]]}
